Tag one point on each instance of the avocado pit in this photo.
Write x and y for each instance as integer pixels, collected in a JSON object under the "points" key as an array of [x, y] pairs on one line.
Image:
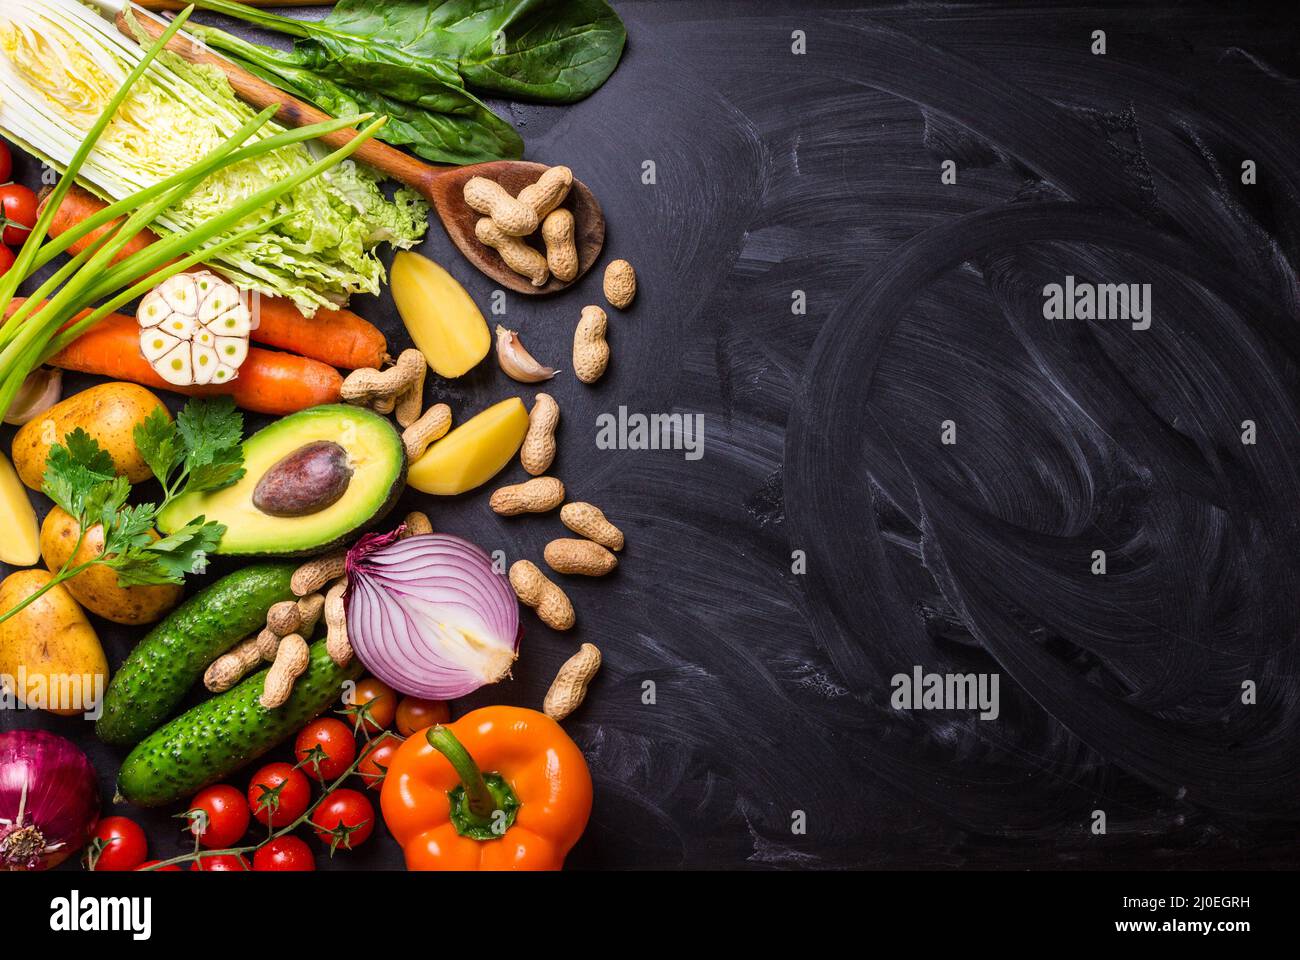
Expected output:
{"points": [[305, 481]]}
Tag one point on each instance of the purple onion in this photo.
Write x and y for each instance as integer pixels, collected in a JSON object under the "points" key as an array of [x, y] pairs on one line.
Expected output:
{"points": [[428, 615], [49, 800]]}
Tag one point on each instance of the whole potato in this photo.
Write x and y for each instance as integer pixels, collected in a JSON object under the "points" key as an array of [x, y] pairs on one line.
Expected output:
{"points": [[51, 646], [108, 412], [95, 588]]}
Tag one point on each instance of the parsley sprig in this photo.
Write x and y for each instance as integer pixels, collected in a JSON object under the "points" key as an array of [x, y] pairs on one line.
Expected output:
{"points": [[199, 452]]}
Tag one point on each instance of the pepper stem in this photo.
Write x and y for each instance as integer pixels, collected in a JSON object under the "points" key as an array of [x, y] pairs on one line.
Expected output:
{"points": [[482, 807], [478, 801]]}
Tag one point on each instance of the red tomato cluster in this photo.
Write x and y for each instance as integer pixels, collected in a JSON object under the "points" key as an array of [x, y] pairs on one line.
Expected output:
{"points": [[17, 211], [280, 794]]}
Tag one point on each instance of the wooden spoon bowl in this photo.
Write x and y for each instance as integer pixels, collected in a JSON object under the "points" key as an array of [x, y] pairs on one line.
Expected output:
{"points": [[442, 186], [446, 193]]}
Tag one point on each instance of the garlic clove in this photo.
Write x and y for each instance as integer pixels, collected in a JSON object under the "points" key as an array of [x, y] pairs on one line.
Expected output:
{"points": [[220, 299], [180, 293], [176, 367], [179, 325], [153, 310], [40, 391], [224, 374], [232, 351], [516, 362], [235, 322], [155, 343], [205, 363]]}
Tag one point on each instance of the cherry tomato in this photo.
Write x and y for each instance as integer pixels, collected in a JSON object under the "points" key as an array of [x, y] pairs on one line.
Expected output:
{"points": [[375, 759], [150, 863], [6, 163], [222, 863], [284, 854], [414, 714], [227, 816], [19, 205], [374, 700], [6, 260], [124, 846], [348, 809], [336, 748], [278, 794]]}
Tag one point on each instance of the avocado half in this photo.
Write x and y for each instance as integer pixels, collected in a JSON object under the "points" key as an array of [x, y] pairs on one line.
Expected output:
{"points": [[374, 453]]}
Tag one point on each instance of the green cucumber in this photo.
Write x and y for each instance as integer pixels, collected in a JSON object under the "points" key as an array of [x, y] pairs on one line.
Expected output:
{"points": [[220, 735], [171, 659]]}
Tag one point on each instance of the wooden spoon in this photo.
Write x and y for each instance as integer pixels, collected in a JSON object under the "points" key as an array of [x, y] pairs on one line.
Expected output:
{"points": [[441, 186]]}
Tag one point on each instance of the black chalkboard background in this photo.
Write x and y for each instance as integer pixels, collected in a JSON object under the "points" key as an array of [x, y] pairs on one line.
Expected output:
{"points": [[781, 177]]}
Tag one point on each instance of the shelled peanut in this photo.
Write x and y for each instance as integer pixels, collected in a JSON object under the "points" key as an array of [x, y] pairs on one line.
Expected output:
{"points": [[569, 688], [536, 590], [507, 220]]}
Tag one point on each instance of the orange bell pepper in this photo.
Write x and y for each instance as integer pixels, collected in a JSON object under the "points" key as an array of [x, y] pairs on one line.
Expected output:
{"points": [[502, 788]]}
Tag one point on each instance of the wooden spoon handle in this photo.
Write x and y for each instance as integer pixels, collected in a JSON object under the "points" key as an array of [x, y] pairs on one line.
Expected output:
{"points": [[256, 92]]}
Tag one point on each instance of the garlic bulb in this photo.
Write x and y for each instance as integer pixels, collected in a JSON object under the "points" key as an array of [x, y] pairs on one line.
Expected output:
{"points": [[194, 329]]}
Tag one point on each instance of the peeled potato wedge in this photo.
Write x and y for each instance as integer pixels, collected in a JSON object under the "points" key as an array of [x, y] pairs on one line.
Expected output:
{"points": [[95, 588], [474, 452], [19, 541], [439, 314]]}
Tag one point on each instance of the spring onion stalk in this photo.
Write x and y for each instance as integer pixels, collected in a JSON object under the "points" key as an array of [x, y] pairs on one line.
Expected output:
{"points": [[26, 256], [91, 283]]}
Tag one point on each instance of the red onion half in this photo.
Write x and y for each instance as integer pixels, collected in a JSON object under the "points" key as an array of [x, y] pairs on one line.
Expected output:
{"points": [[49, 800], [428, 615]]}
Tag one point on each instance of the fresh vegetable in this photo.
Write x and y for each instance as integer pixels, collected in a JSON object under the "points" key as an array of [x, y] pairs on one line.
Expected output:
{"points": [[6, 163], [414, 61], [474, 452], [165, 664], [269, 382], [336, 337], [497, 774], [221, 863], [6, 260], [18, 204], [37, 329], [222, 734], [325, 748], [108, 414], [372, 706], [48, 640], [63, 544], [49, 799], [40, 391], [218, 816], [284, 854], [20, 545], [374, 765], [194, 329], [278, 794], [428, 615], [156, 866], [344, 819], [118, 844], [516, 362], [414, 714], [440, 315], [294, 516], [80, 478], [172, 117]]}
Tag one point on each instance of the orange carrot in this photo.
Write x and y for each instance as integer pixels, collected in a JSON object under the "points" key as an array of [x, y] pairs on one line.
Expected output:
{"points": [[268, 382], [337, 337]]}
